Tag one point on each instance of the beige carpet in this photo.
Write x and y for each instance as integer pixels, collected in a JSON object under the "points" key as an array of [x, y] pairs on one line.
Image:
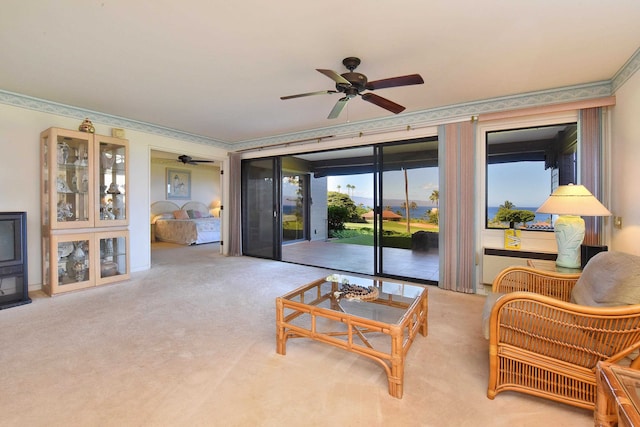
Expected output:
{"points": [[191, 342]]}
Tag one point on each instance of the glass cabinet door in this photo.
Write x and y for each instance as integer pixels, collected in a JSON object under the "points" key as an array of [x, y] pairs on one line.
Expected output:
{"points": [[114, 256], [112, 166], [70, 261], [66, 174]]}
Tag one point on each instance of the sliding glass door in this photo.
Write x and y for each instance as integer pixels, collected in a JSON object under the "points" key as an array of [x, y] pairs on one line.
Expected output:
{"points": [[369, 210], [408, 205], [261, 235]]}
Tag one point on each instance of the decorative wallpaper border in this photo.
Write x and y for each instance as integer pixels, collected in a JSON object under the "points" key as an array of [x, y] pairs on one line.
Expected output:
{"points": [[418, 118], [434, 115], [45, 106], [626, 71]]}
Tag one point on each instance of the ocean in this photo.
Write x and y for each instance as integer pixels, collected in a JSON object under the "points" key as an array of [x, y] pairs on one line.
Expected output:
{"points": [[421, 212], [492, 211]]}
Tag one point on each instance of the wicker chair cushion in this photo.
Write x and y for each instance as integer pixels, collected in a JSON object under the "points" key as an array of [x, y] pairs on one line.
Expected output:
{"points": [[609, 279]]}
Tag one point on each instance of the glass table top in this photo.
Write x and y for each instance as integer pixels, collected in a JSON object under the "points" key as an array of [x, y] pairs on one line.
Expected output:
{"points": [[391, 302], [630, 381]]}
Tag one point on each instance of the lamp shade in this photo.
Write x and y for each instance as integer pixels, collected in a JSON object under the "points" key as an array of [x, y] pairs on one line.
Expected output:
{"points": [[573, 200]]}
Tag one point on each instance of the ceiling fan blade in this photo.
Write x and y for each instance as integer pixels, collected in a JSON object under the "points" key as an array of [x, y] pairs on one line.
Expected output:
{"points": [[383, 102], [300, 95], [337, 109], [334, 76], [411, 79]]}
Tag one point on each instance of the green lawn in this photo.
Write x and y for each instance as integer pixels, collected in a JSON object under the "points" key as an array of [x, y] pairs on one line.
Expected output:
{"points": [[395, 234]]}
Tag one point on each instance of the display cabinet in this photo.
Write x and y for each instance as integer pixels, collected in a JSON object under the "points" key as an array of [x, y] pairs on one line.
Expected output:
{"points": [[85, 212]]}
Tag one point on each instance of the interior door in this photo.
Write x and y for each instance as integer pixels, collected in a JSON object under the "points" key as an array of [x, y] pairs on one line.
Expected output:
{"points": [[262, 235]]}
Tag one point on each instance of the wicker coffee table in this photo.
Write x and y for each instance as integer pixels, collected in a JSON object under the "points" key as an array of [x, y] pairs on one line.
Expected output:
{"points": [[380, 324]]}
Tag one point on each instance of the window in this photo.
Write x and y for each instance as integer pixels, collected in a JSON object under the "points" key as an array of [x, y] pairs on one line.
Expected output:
{"points": [[523, 167]]}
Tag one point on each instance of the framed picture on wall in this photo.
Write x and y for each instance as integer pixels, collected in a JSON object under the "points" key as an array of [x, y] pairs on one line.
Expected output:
{"points": [[178, 184]]}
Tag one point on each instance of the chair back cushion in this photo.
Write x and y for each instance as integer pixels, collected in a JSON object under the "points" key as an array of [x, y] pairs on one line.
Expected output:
{"points": [[609, 279]]}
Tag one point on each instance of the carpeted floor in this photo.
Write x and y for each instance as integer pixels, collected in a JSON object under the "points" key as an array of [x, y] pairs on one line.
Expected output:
{"points": [[191, 342]]}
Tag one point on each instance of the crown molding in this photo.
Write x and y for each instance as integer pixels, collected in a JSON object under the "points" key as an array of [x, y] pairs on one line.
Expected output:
{"points": [[402, 121], [45, 106], [440, 114], [626, 71]]}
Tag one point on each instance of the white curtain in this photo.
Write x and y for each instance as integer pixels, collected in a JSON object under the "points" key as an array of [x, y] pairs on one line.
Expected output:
{"points": [[456, 153]]}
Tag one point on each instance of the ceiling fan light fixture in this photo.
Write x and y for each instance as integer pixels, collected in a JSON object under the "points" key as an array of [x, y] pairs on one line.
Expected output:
{"points": [[352, 84]]}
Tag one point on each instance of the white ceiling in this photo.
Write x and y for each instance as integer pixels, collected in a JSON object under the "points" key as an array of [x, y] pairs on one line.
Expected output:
{"points": [[217, 68]]}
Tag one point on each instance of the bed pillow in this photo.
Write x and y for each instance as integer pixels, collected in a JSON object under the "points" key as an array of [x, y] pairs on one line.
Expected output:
{"points": [[180, 214], [166, 215], [190, 212], [197, 214]]}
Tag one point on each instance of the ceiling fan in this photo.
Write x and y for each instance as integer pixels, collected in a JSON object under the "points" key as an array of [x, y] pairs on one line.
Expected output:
{"points": [[352, 84], [189, 160]]}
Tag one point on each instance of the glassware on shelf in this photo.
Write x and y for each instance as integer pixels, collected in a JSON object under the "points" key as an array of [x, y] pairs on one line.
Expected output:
{"points": [[63, 153], [78, 259]]}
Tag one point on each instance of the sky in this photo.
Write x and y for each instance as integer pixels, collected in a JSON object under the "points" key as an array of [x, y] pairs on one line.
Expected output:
{"points": [[421, 183], [525, 184]]}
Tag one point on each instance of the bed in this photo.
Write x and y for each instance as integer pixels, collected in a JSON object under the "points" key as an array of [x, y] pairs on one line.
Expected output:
{"points": [[191, 224]]}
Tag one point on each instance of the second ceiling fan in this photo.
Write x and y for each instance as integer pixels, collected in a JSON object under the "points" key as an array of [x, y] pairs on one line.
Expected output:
{"points": [[191, 161], [353, 84]]}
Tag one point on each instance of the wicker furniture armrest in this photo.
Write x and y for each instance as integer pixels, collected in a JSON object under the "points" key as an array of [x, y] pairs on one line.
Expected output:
{"points": [[513, 279], [549, 348]]}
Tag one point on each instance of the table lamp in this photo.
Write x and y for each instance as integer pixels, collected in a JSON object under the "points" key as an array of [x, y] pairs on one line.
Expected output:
{"points": [[571, 202]]}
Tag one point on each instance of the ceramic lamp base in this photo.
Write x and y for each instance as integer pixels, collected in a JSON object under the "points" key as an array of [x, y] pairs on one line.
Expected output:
{"points": [[569, 231]]}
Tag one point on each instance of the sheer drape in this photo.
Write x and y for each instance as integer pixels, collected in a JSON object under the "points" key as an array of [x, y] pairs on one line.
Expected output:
{"points": [[457, 206], [235, 206], [591, 166]]}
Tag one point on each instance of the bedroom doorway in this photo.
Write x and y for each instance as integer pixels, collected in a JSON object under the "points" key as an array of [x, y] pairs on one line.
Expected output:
{"points": [[204, 192]]}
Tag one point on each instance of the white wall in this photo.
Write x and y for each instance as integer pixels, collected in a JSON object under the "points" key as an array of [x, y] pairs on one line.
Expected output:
{"points": [[625, 166], [20, 177]]}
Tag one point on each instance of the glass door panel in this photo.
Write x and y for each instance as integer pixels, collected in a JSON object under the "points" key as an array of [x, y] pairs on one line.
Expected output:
{"points": [[112, 165], [70, 257], [261, 208], [66, 177], [294, 210], [407, 223], [114, 255]]}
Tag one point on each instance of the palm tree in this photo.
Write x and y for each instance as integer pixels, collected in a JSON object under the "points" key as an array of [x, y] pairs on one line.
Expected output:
{"points": [[435, 197], [406, 200], [507, 205], [350, 189], [338, 187]]}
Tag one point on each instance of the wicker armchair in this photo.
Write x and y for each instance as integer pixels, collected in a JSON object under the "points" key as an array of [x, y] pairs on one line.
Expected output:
{"points": [[542, 344]]}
